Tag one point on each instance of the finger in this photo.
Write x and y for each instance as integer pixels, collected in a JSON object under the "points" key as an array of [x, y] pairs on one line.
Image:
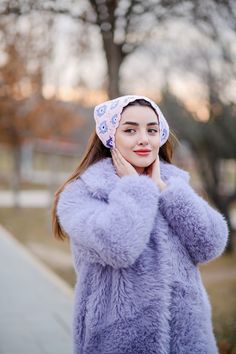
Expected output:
{"points": [[120, 157], [116, 161], [115, 153], [114, 157], [157, 161]]}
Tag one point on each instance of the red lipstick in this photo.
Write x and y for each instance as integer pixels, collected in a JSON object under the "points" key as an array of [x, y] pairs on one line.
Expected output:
{"points": [[142, 152]]}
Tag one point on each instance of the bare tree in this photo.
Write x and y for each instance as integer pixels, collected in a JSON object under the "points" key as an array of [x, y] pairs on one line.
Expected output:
{"points": [[211, 143], [20, 75], [125, 25]]}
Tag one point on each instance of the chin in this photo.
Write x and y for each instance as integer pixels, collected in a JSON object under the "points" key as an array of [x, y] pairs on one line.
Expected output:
{"points": [[144, 163]]}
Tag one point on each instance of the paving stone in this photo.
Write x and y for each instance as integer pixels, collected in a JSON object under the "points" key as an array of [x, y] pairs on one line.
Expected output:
{"points": [[35, 304]]}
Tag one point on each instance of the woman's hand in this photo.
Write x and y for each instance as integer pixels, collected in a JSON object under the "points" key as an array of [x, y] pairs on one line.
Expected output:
{"points": [[153, 171], [122, 166]]}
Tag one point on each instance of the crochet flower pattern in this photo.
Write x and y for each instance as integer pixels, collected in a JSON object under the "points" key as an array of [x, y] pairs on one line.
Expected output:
{"points": [[101, 110], [103, 127], [109, 142], [114, 119], [114, 104]]}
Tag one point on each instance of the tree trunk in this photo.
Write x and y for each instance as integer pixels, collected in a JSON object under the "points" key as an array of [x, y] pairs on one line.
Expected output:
{"points": [[114, 60], [113, 50], [15, 180], [207, 166]]}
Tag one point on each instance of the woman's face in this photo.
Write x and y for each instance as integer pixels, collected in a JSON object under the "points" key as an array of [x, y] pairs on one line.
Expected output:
{"points": [[138, 130]]}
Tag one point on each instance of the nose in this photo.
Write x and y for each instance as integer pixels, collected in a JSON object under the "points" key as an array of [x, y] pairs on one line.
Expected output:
{"points": [[143, 138]]}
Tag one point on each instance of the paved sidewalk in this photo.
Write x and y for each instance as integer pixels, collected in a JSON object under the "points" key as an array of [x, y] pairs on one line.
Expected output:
{"points": [[35, 304]]}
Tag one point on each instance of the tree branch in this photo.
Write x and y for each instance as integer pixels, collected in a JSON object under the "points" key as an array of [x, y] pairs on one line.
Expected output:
{"points": [[17, 10]]}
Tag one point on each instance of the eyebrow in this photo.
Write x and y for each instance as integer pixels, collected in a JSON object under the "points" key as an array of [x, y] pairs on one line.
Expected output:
{"points": [[136, 124]]}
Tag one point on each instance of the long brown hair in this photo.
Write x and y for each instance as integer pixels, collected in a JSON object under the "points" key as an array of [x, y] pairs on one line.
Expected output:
{"points": [[95, 152]]}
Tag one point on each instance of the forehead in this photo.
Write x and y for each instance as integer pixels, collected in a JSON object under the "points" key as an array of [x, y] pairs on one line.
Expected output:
{"points": [[138, 114]]}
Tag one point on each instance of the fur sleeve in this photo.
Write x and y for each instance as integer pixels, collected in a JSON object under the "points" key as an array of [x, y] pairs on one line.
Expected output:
{"points": [[201, 228], [114, 232]]}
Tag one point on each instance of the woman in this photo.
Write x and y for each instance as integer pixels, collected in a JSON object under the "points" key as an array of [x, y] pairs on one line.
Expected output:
{"points": [[138, 232]]}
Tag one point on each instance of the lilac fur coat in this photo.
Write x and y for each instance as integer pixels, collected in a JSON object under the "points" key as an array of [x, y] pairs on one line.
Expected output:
{"points": [[136, 252]]}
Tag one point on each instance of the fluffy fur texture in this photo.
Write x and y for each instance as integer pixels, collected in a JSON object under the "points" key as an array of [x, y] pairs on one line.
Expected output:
{"points": [[136, 252]]}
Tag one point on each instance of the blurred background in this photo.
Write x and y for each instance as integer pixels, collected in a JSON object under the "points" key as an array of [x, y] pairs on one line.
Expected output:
{"points": [[60, 58]]}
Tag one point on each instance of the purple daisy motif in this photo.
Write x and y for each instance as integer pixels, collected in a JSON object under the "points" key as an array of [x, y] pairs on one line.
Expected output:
{"points": [[164, 133], [114, 119], [114, 104], [109, 142], [103, 127], [101, 110]]}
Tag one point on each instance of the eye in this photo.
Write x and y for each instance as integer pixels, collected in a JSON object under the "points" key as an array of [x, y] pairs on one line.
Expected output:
{"points": [[129, 130], [153, 131]]}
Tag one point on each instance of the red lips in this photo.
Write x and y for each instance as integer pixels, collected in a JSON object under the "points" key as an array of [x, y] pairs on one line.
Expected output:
{"points": [[145, 150]]}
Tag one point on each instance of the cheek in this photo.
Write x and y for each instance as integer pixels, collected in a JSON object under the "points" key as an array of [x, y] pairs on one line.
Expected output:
{"points": [[118, 139], [122, 141], [155, 148], [156, 143]]}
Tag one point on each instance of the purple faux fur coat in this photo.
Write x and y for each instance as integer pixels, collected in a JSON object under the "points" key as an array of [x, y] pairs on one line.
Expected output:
{"points": [[136, 252]]}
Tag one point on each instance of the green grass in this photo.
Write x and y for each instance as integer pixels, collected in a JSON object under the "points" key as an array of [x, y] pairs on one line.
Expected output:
{"points": [[32, 226], [223, 301], [219, 277]]}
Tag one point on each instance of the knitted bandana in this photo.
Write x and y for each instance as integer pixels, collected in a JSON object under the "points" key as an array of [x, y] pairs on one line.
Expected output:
{"points": [[107, 116]]}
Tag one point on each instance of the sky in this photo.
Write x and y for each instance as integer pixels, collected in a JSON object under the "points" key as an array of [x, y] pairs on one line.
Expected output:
{"points": [[76, 69]]}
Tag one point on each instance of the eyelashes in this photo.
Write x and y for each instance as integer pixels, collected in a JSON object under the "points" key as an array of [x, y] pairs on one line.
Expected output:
{"points": [[153, 131]]}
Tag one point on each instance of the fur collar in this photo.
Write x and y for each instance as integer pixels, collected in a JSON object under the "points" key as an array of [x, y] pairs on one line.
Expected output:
{"points": [[100, 177]]}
